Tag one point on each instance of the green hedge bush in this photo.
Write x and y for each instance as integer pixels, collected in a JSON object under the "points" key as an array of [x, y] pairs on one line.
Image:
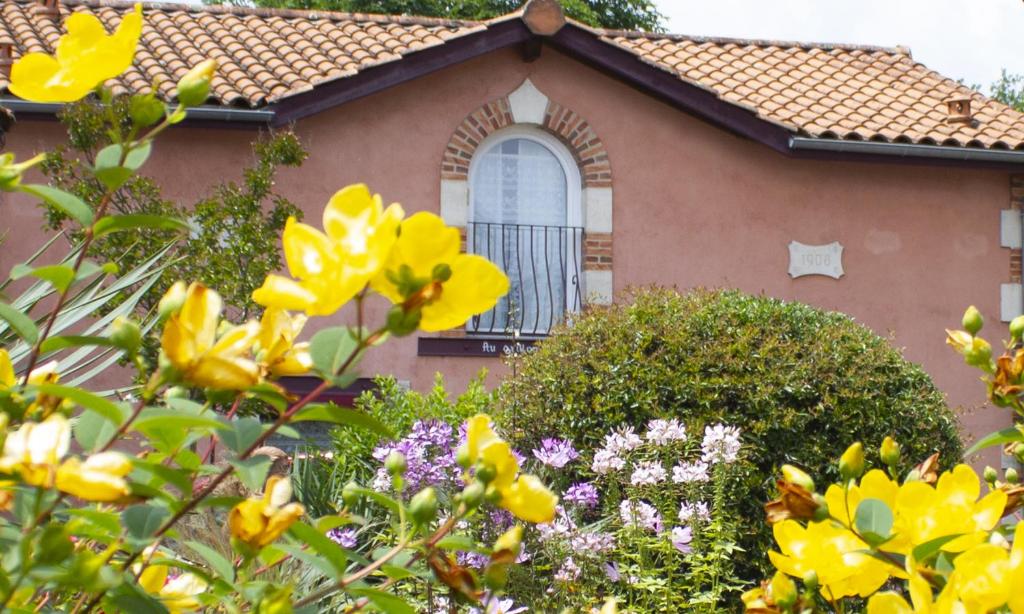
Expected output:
{"points": [[802, 383]]}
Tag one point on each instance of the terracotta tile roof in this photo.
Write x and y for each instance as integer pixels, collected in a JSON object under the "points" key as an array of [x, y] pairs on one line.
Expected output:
{"points": [[817, 90]]}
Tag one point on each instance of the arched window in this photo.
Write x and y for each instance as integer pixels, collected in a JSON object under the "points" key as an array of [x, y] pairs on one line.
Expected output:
{"points": [[525, 193]]}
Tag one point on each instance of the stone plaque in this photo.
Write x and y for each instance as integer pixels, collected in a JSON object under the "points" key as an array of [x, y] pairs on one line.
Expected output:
{"points": [[816, 260]]}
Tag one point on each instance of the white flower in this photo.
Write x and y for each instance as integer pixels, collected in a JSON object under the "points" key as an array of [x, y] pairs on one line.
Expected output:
{"points": [[681, 538], [690, 472], [623, 441], [561, 526], [661, 432], [606, 461], [591, 544], [691, 511], [568, 572], [647, 472], [721, 444], [641, 515], [498, 606]]}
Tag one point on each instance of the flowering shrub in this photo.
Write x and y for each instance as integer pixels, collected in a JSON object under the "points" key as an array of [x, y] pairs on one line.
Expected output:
{"points": [[929, 542], [650, 525], [801, 382], [101, 526]]}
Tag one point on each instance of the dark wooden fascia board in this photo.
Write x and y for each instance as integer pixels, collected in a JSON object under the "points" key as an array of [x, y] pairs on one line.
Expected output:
{"points": [[413, 66]]}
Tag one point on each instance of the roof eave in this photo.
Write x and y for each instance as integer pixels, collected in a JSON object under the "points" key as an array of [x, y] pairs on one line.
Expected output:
{"points": [[908, 153]]}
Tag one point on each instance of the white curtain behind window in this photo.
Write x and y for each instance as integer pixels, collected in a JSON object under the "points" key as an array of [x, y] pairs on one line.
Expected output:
{"points": [[519, 218]]}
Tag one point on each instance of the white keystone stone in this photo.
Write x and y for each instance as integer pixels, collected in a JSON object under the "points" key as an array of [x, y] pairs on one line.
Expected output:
{"points": [[597, 209], [528, 104]]}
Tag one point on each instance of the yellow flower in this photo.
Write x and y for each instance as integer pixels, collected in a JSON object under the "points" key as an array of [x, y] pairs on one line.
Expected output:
{"points": [[34, 450], [835, 554], [425, 248], [259, 521], [924, 512], [981, 578], [7, 377], [888, 602], [203, 357], [525, 496], [85, 57], [276, 350], [99, 478], [332, 268], [179, 594]]}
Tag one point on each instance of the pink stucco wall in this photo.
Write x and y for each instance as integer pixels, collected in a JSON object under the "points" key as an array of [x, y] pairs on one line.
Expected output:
{"points": [[693, 206]]}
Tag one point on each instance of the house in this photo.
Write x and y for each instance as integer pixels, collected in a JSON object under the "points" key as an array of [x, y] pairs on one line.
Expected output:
{"points": [[584, 161]]}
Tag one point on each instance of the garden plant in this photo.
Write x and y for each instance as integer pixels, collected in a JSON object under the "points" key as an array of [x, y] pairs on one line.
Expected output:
{"points": [[101, 525], [917, 542]]}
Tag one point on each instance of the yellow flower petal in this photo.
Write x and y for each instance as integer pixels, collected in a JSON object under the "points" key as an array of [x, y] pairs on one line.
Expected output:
{"points": [[284, 293], [475, 286], [93, 483], [307, 251], [528, 499], [7, 378], [888, 603], [224, 373]]}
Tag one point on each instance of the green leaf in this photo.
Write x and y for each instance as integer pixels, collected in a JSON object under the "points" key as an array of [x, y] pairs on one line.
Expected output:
{"points": [[269, 394], [133, 221], [930, 548], [397, 573], [385, 602], [167, 417], [380, 498], [92, 430], [53, 344], [455, 541], [109, 522], [252, 471], [240, 434], [104, 407], [142, 521], [60, 276], [998, 438], [109, 157], [331, 348], [179, 478], [138, 155], [329, 412], [68, 203], [309, 558], [217, 561], [20, 323], [873, 520], [114, 177], [322, 544]]}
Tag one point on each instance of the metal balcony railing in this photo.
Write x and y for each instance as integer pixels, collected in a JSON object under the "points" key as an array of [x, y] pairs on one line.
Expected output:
{"points": [[543, 264]]}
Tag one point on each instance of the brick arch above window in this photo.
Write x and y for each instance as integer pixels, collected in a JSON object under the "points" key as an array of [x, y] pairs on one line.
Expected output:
{"points": [[529, 106]]}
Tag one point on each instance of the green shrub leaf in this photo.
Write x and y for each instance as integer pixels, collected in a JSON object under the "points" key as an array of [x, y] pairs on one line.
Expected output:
{"points": [[873, 520], [70, 204], [1002, 437], [240, 434], [329, 412], [319, 542], [386, 602], [134, 221], [53, 344], [142, 521], [104, 407], [20, 323], [60, 276], [252, 471], [330, 348], [217, 561]]}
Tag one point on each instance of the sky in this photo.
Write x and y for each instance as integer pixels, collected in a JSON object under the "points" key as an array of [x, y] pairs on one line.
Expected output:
{"points": [[962, 39]]}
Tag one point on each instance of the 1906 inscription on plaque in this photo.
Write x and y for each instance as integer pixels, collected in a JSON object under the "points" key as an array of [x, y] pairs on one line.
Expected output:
{"points": [[816, 260]]}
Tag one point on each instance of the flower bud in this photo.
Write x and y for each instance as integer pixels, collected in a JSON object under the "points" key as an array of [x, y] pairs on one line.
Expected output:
{"points": [[820, 512], [990, 474], [146, 110], [462, 457], [851, 463], [784, 592], [194, 87], [486, 472], [972, 320], [172, 300], [510, 541], [889, 452], [492, 495], [810, 581], [126, 334], [473, 494], [1011, 475], [395, 463], [1017, 328], [797, 476], [350, 495], [979, 354], [401, 322], [423, 506]]}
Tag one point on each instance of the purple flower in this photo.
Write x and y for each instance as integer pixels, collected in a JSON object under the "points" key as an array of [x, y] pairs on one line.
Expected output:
{"points": [[694, 511], [590, 544], [472, 559], [641, 515], [646, 473], [568, 572], [612, 571], [346, 538], [497, 605], [556, 453], [582, 493], [429, 453], [681, 538]]}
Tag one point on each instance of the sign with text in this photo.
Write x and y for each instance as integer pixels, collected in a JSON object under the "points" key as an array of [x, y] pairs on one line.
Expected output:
{"points": [[816, 260], [468, 346]]}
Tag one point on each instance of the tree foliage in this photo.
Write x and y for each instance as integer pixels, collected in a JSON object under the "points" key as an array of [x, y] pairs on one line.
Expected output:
{"points": [[1009, 90], [235, 232], [615, 14]]}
